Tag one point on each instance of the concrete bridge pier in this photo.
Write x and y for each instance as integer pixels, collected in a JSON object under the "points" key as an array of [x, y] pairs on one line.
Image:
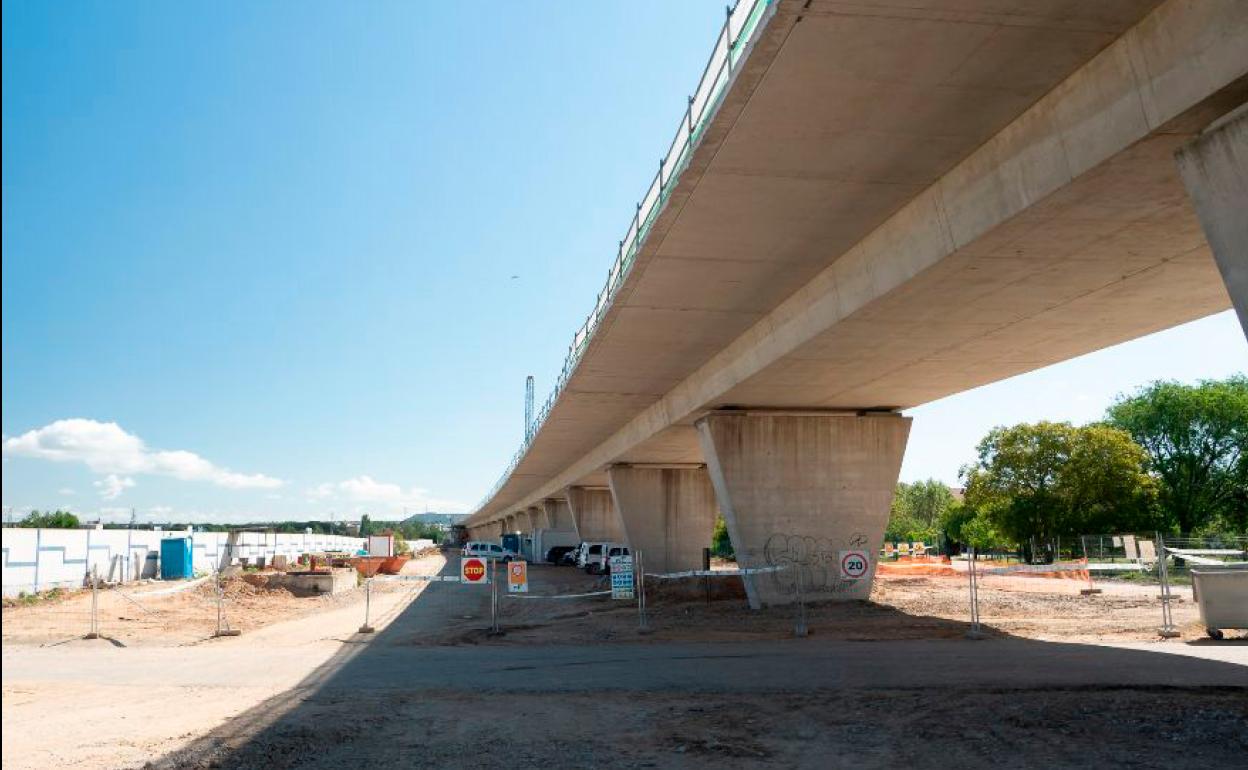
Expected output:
{"points": [[1215, 171], [594, 514], [668, 513], [556, 515], [529, 520], [798, 488]]}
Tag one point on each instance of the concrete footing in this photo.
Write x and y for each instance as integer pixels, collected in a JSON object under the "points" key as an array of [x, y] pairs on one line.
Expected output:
{"points": [[594, 514], [1215, 172], [667, 513], [312, 583], [798, 489]]}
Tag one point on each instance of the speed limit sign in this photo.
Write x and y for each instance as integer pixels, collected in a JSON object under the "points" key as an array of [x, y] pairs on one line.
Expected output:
{"points": [[854, 564]]}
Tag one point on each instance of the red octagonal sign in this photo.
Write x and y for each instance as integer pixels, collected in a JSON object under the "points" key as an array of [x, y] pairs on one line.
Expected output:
{"points": [[472, 570]]}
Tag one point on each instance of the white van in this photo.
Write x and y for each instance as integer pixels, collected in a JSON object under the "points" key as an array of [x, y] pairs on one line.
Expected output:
{"points": [[587, 550], [491, 551], [599, 562]]}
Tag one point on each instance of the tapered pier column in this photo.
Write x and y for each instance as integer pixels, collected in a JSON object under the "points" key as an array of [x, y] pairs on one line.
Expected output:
{"points": [[594, 514], [798, 489], [667, 513], [557, 516], [529, 519], [1215, 171]]}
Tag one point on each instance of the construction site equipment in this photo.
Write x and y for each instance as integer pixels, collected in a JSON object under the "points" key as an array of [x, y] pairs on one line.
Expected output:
{"points": [[1222, 596], [393, 565], [175, 558], [367, 566]]}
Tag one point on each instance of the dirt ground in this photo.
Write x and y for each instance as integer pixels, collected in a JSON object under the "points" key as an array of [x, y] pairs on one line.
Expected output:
{"points": [[842, 729], [149, 614], [274, 698], [157, 678], [901, 607], [926, 607]]}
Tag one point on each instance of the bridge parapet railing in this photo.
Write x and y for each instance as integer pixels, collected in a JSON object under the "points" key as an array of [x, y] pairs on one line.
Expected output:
{"points": [[742, 21]]}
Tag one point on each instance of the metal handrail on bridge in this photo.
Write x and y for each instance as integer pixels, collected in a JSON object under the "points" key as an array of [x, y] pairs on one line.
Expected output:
{"points": [[740, 24]]}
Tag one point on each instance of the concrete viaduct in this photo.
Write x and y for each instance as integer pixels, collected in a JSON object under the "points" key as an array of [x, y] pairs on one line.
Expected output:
{"points": [[886, 203]]}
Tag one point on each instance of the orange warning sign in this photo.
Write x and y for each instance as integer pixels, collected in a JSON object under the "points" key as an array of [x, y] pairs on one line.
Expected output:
{"points": [[518, 577]]}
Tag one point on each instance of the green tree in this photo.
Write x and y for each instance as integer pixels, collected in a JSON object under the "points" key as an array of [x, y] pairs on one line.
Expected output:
{"points": [[721, 544], [917, 510], [1196, 437], [1048, 480], [417, 530], [57, 519], [923, 501], [366, 526]]}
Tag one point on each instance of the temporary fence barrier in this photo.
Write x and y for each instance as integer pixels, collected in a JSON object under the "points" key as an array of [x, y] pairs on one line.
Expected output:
{"points": [[972, 575], [712, 573], [559, 596]]}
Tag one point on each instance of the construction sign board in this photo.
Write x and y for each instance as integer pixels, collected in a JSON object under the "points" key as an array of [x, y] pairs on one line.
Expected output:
{"points": [[518, 577], [854, 565], [473, 571], [1128, 545], [622, 577]]}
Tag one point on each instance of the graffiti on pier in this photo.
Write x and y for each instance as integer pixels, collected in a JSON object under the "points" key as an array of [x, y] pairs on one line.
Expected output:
{"points": [[811, 560]]}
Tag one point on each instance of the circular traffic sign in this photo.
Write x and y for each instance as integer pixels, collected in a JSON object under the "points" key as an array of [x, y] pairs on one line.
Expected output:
{"points": [[474, 570], [853, 565]]}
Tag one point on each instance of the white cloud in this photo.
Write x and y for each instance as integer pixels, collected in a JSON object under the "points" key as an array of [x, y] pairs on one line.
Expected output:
{"points": [[65, 491], [112, 485], [105, 447], [366, 489], [320, 492]]}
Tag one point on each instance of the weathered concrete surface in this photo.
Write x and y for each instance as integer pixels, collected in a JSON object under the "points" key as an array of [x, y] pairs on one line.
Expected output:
{"points": [[557, 514], [594, 514], [891, 208], [668, 514], [332, 582], [531, 518], [1215, 170], [796, 490]]}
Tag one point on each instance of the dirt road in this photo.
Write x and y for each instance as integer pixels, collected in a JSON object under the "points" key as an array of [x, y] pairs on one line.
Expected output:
{"points": [[154, 683], [572, 683]]}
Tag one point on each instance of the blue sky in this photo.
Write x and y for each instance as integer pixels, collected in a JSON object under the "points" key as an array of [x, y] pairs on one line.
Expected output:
{"points": [[258, 263]]}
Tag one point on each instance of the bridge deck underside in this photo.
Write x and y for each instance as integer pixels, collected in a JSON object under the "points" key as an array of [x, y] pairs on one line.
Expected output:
{"points": [[837, 120]]}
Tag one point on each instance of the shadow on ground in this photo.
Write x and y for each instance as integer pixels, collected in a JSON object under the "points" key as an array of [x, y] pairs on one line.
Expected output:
{"points": [[810, 702]]}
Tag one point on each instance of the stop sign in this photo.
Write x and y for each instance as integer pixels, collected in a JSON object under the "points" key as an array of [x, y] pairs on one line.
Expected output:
{"points": [[471, 570]]}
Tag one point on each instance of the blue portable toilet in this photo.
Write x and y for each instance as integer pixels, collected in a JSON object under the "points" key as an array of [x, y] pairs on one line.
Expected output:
{"points": [[175, 558]]}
